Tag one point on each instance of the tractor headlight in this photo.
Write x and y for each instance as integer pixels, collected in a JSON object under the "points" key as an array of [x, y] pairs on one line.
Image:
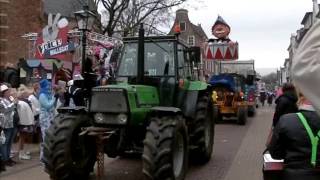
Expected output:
{"points": [[122, 118], [110, 118], [99, 118]]}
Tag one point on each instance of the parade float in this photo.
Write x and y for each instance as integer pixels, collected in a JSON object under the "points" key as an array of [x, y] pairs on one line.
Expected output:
{"points": [[221, 48], [55, 53], [231, 95]]}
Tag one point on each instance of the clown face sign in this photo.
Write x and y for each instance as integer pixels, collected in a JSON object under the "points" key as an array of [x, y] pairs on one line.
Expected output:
{"points": [[221, 29]]}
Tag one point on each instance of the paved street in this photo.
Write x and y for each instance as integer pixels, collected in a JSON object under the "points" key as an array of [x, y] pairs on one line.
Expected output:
{"points": [[237, 155]]}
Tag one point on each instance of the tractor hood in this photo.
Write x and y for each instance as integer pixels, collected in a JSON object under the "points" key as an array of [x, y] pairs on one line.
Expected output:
{"points": [[123, 97], [135, 101], [144, 95]]}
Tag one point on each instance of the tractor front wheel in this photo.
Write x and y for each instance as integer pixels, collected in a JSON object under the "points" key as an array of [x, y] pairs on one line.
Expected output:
{"points": [[242, 115], [165, 154], [251, 111], [202, 136], [67, 155]]}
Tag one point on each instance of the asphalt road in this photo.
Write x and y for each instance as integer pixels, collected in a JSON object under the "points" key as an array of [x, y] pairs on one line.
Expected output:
{"points": [[237, 151]]}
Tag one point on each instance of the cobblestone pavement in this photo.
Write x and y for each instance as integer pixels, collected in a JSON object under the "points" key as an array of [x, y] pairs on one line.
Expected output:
{"points": [[237, 156]]}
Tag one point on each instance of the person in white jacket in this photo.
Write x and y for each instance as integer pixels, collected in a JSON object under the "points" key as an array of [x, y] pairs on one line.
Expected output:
{"points": [[33, 98], [26, 123], [306, 65]]}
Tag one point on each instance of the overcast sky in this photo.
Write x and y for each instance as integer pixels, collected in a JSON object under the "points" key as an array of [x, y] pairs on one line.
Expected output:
{"points": [[262, 27]]}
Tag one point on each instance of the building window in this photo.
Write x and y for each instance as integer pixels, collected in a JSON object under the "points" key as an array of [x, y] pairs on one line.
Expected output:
{"points": [[183, 26], [191, 40]]}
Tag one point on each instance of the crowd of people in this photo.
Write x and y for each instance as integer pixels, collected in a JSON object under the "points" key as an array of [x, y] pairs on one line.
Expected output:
{"points": [[29, 109], [266, 96]]}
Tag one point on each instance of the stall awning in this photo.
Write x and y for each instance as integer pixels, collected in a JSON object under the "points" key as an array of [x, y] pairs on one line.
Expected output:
{"points": [[47, 64]]}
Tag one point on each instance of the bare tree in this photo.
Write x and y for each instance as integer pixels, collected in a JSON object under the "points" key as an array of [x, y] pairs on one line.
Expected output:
{"points": [[126, 15], [114, 10], [96, 2]]}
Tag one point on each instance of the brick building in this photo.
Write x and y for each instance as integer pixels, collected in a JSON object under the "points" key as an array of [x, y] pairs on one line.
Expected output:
{"points": [[190, 33], [18, 17]]}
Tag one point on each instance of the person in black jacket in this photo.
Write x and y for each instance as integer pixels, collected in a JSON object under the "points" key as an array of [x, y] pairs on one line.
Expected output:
{"points": [[291, 142], [285, 103], [74, 95]]}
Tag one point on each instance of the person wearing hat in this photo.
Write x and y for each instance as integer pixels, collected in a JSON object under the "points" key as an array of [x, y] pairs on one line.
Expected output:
{"points": [[47, 108], [24, 109], [7, 106]]}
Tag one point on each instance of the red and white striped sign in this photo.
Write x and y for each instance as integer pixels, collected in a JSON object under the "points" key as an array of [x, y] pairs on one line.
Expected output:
{"points": [[222, 51]]}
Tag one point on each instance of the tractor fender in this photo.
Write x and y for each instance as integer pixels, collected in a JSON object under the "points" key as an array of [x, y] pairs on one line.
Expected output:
{"points": [[189, 104]]}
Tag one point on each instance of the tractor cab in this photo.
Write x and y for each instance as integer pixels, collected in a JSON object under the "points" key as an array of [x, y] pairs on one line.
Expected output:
{"points": [[167, 63]]}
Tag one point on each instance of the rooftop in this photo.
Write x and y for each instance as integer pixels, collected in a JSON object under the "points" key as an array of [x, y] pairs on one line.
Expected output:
{"points": [[306, 16]]}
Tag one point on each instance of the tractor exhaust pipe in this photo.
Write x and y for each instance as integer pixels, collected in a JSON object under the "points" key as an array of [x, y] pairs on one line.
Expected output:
{"points": [[140, 66]]}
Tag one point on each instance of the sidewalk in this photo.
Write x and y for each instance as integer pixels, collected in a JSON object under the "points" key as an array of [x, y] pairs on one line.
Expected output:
{"points": [[32, 148], [22, 165]]}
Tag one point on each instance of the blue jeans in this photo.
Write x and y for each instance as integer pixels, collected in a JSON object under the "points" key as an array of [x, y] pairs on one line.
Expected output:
{"points": [[6, 147]]}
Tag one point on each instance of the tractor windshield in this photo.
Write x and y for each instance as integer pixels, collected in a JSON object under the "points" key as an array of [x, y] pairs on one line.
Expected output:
{"points": [[157, 55]]}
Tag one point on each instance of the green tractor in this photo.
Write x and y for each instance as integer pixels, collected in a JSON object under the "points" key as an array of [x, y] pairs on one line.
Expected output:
{"points": [[158, 108]]}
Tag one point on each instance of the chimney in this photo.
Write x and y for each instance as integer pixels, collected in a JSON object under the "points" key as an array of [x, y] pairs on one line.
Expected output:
{"points": [[182, 15], [315, 9]]}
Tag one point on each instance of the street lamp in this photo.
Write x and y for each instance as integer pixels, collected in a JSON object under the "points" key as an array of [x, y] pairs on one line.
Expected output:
{"points": [[85, 20]]}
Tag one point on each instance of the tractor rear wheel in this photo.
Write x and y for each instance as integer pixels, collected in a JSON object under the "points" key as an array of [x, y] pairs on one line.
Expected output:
{"points": [[202, 136], [251, 111], [165, 153], [68, 156], [242, 115]]}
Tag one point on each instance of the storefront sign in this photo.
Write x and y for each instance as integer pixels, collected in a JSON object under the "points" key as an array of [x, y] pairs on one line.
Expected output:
{"points": [[53, 41], [49, 45], [58, 50]]}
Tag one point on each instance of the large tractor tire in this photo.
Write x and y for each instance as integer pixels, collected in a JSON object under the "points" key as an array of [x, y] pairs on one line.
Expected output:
{"points": [[165, 153], [202, 135], [68, 156], [242, 115]]}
